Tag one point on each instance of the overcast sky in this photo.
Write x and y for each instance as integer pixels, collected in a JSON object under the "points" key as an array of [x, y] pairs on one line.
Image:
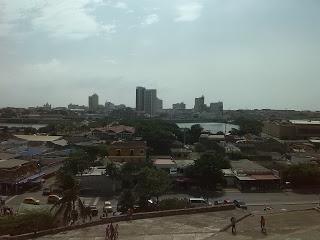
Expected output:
{"points": [[246, 53]]}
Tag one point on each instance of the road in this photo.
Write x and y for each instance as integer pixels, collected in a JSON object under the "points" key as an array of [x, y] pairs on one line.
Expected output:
{"points": [[255, 201]]}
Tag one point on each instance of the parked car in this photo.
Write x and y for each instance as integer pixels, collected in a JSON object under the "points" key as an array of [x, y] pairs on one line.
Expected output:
{"points": [[31, 200], [240, 204], [53, 199], [218, 202], [46, 191], [198, 202], [94, 210], [227, 201], [107, 208]]}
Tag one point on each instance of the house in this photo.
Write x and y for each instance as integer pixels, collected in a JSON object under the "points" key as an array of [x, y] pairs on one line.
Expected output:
{"points": [[114, 132], [252, 177], [15, 173], [127, 151]]}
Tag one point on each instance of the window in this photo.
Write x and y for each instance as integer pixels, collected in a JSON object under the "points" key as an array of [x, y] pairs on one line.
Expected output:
{"points": [[131, 152], [118, 152]]}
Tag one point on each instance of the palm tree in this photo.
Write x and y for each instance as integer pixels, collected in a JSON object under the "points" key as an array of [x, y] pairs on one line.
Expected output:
{"points": [[70, 195]]}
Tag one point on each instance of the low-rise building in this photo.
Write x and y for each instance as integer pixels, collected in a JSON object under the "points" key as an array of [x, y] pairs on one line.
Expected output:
{"points": [[96, 181], [15, 173], [127, 151], [114, 132], [252, 177], [293, 129]]}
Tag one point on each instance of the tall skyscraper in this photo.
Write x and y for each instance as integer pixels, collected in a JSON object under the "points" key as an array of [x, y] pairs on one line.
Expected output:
{"points": [[93, 103], [159, 105], [150, 101], [217, 108], [140, 96], [199, 105]]}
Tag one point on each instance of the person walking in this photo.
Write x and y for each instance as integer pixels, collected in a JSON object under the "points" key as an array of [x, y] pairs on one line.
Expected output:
{"points": [[233, 225], [263, 224]]}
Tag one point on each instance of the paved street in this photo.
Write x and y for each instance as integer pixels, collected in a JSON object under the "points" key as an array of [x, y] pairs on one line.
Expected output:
{"points": [[255, 201]]}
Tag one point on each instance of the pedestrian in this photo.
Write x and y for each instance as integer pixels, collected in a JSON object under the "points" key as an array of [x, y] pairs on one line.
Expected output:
{"points": [[130, 212], [263, 224], [233, 225]]}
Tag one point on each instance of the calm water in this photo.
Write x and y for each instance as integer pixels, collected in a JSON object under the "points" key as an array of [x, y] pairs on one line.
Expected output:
{"points": [[21, 125], [213, 127]]}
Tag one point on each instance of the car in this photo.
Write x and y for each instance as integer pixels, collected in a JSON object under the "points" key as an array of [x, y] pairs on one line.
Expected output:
{"points": [[198, 202], [53, 199], [31, 200], [227, 201], [240, 204], [107, 208], [46, 192], [94, 210], [218, 202]]}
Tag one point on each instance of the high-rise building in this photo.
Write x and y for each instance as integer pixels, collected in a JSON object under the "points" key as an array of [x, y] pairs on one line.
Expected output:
{"points": [[93, 103], [140, 96], [150, 101], [217, 108], [199, 105], [159, 105], [179, 106]]}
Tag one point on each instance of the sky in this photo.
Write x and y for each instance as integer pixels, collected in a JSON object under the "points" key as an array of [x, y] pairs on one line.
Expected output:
{"points": [[246, 53]]}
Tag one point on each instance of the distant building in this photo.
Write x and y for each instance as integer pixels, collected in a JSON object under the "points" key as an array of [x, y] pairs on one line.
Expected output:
{"points": [[179, 106], [93, 103], [140, 96], [199, 105], [293, 129], [150, 101], [76, 107], [127, 151], [217, 109], [159, 105]]}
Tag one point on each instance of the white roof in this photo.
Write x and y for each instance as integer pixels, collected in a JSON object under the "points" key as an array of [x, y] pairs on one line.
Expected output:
{"points": [[305, 122], [38, 138]]}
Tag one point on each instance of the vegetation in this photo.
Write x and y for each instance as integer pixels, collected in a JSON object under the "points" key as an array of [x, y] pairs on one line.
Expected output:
{"points": [[152, 182], [302, 175], [127, 200], [248, 125], [25, 223], [207, 170], [159, 134]]}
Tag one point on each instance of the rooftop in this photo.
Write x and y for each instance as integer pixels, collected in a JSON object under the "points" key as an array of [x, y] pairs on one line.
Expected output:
{"points": [[248, 167], [38, 138], [11, 163], [305, 122]]}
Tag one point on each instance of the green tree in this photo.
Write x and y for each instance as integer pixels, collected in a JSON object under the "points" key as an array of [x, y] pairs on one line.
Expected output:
{"points": [[78, 162], [195, 132], [126, 200], [70, 195], [248, 125], [207, 170], [152, 183], [302, 175]]}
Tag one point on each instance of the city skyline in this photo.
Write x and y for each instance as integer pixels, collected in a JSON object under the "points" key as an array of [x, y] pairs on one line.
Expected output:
{"points": [[249, 54]]}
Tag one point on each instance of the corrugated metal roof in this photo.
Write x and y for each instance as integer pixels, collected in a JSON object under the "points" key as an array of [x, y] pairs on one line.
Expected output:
{"points": [[11, 163], [38, 138]]}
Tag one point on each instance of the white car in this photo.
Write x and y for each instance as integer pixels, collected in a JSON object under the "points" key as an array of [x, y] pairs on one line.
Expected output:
{"points": [[107, 208]]}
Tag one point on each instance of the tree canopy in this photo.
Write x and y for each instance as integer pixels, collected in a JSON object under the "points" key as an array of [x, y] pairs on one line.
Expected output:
{"points": [[207, 170]]}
